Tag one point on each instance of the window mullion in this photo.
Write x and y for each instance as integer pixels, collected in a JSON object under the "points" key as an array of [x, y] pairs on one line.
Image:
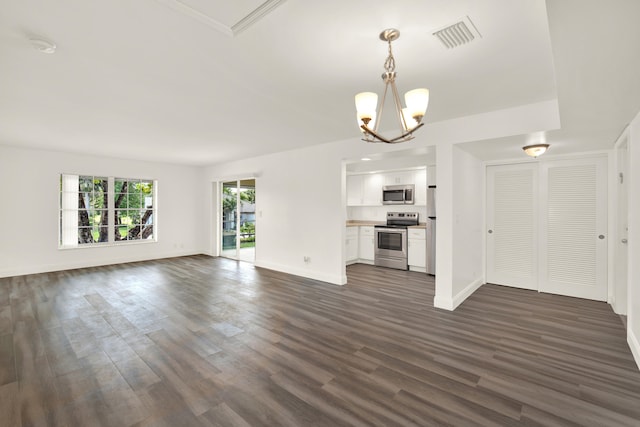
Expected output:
{"points": [[111, 209]]}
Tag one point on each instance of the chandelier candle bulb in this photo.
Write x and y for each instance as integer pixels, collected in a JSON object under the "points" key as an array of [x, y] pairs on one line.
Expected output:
{"points": [[410, 121], [417, 101], [371, 124], [366, 104]]}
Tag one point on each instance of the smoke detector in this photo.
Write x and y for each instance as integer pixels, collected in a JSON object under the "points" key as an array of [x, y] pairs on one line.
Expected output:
{"points": [[454, 35], [42, 45]]}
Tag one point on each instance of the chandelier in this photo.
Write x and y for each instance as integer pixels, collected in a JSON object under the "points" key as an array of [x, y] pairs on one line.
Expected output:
{"points": [[409, 118]]}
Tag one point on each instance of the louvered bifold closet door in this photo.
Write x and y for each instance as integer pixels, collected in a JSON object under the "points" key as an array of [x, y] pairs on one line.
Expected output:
{"points": [[573, 238], [512, 225]]}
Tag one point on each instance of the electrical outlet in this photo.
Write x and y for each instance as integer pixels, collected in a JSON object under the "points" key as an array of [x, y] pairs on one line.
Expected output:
{"points": [[307, 259]]}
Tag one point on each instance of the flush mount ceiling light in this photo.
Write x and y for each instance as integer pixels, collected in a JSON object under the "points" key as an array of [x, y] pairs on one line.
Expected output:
{"points": [[536, 149], [409, 118]]}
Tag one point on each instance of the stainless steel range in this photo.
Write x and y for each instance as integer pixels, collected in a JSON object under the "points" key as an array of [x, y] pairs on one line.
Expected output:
{"points": [[391, 240]]}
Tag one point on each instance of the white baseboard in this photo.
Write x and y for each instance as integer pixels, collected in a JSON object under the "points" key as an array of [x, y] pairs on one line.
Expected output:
{"points": [[48, 268], [443, 303], [451, 304], [634, 345], [339, 279]]}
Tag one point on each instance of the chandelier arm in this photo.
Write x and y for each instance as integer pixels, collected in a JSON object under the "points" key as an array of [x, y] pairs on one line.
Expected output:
{"points": [[396, 101], [407, 133], [382, 102], [374, 135], [383, 139]]}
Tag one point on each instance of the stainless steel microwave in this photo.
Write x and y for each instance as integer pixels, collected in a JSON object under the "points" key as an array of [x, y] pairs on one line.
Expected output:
{"points": [[398, 194]]}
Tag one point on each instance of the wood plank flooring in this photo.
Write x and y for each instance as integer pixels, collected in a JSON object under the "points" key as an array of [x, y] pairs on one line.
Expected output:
{"points": [[200, 341]]}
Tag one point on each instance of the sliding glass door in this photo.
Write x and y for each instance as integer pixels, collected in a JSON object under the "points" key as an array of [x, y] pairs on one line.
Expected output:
{"points": [[238, 219]]}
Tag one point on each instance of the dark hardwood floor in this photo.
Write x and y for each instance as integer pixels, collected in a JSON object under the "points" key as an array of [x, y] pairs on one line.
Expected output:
{"points": [[199, 341]]}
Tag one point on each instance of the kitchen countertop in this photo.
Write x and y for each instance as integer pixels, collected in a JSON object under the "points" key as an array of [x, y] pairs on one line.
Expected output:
{"points": [[361, 223], [357, 223]]}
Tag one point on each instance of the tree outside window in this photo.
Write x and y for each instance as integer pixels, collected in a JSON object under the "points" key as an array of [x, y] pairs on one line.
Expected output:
{"points": [[91, 205]]}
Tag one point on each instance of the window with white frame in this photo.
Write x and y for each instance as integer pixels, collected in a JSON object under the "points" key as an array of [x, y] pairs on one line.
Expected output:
{"points": [[101, 210]]}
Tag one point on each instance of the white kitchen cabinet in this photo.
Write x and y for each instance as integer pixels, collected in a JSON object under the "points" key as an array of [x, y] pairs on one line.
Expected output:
{"points": [[372, 190], [417, 249], [364, 190], [354, 190], [351, 245], [420, 181], [366, 244], [398, 178]]}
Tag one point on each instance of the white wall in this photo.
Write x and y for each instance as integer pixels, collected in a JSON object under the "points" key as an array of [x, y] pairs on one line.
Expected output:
{"points": [[468, 224], [30, 185], [633, 328], [444, 228], [300, 210], [460, 219]]}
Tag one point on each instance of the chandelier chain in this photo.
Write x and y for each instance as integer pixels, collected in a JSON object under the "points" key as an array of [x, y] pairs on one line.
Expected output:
{"points": [[390, 63]]}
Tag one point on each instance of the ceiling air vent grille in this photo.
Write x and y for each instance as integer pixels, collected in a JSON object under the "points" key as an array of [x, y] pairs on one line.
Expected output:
{"points": [[457, 34]]}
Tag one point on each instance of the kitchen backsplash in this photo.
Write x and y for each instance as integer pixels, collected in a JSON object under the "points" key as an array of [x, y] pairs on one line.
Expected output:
{"points": [[379, 213]]}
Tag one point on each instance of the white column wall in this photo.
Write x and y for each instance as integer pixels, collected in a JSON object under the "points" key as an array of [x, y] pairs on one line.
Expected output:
{"points": [[444, 228], [633, 309], [460, 220], [468, 224]]}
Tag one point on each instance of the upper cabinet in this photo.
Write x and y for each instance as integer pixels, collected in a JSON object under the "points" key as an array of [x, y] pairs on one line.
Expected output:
{"points": [[366, 189], [398, 178], [420, 181], [354, 190], [372, 190]]}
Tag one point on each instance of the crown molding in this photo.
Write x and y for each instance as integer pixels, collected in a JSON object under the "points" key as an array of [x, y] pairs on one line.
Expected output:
{"points": [[231, 31]]}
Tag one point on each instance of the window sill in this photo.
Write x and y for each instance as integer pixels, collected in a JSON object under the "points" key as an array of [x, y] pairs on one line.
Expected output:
{"points": [[109, 244]]}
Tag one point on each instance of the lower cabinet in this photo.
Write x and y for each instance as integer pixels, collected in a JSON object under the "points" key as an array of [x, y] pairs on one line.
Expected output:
{"points": [[360, 246], [366, 245], [351, 245], [417, 250]]}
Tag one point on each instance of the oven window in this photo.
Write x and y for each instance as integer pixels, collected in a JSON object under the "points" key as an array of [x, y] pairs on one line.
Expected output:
{"points": [[390, 241]]}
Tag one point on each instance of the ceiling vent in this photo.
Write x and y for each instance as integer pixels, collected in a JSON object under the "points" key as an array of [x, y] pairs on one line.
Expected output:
{"points": [[454, 35]]}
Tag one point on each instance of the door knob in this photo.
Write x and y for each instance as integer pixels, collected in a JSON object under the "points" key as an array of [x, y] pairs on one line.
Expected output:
{"points": [[601, 236], [490, 231], [624, 241]]}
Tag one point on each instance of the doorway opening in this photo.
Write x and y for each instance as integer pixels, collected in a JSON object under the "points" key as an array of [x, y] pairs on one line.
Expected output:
{"points": [[621, 261], [238, 219]]}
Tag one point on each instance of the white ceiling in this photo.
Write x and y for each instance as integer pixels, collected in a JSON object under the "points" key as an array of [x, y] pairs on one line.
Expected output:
{"points": [[173, 80]]}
